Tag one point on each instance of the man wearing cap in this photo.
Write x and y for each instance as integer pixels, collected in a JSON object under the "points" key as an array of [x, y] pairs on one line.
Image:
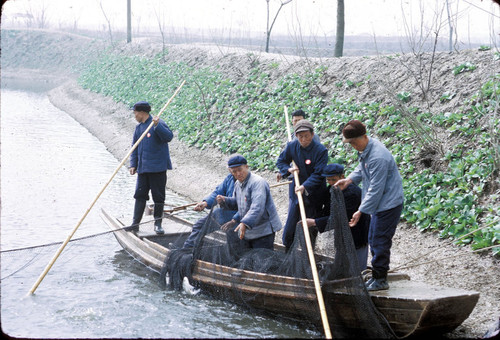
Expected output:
{"points": [[257, 219], [297, 116], [226, 188], [382, 197], [150, 160], [310, 158], [352, 198]]}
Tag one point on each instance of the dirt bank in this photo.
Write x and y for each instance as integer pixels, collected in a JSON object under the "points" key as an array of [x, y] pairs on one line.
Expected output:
{"points": [[196, 172]]}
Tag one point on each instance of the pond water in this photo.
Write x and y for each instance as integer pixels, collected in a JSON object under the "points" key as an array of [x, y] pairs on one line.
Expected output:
{"points": [[51, 171]]}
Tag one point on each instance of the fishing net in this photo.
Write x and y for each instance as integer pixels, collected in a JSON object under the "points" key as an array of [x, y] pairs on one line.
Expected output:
{"points": [[280, 282]]}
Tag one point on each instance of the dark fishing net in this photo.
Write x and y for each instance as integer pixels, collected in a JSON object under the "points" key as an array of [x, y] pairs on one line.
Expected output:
{"points": [[280, 282]]}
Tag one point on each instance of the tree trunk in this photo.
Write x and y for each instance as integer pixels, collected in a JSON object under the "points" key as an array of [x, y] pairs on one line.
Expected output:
{"points": [[339, 39]]}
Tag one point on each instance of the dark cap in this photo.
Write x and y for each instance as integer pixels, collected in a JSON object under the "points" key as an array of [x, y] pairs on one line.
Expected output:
{"points": [[303, 125], [353, 129], [235, 161], [142, 106], [332, 170], [299, 112]]}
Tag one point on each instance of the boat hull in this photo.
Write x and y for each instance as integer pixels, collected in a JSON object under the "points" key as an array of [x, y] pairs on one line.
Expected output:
{"points": [[411, 308]]}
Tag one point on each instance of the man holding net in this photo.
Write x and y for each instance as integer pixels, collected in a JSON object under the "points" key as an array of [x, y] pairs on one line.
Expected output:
{"points": [[382, 197], [257, 219], [352, 199], [226, 188]]}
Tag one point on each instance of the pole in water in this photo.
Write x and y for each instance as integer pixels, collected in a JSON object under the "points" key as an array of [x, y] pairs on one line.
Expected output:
{"points": [[312, 261], [61, 248]]}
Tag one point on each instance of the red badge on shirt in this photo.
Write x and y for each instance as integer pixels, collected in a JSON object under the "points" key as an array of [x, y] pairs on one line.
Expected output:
{"points": [[149, 135], [308, 161]]}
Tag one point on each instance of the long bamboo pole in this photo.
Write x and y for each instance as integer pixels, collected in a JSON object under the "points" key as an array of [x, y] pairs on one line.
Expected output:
{"points": [[61, 248], [312, 261]]}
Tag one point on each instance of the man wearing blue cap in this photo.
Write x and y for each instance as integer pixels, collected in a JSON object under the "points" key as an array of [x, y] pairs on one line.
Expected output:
{"points": [[150, 160], [352, 198], [226, 188], [257, 219]]}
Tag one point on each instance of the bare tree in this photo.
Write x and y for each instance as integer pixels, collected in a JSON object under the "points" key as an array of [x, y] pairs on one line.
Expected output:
{"points": [[419, 42], [160, 18], [38, 15], [269, 28], [339, 39], [108, 22]]}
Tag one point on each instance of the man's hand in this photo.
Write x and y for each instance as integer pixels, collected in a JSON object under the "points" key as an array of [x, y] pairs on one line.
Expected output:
{"points": [[292, 170], [355, 219], [240, 229], [343, 183], [278, 177], [301, 189], [132, 171], [220, 199], [311, 222], [156, 120], [228, 225], [200, 206]]}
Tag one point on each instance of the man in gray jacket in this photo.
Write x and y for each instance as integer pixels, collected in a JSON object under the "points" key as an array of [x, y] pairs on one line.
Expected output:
{"points": [[257, 219], [382, 197]]}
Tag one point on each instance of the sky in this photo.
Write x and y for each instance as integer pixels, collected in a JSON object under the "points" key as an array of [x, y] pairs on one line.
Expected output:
{"points": [[474, 18]]}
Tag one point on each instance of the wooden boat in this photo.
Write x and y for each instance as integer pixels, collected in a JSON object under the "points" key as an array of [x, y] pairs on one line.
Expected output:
{"points": [[411, 308]]}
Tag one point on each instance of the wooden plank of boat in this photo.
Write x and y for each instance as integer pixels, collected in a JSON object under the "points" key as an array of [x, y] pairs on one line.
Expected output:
{"points": [[412, 308]]}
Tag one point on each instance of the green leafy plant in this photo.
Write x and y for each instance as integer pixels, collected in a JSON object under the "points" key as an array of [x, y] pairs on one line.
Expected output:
{"points": [[246, 116], [465, 67]]}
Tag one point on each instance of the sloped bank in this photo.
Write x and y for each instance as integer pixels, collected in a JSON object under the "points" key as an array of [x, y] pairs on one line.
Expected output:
{"points": [[197, 172]]}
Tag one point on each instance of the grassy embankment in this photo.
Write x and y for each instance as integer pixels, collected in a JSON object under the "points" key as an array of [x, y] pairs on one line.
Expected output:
{"points": [[247, 117]]}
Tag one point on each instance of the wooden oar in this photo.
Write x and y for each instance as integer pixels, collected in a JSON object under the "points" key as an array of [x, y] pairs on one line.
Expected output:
{"points": [[51, 263], [179, 208], [310, 252], [280, 184]]}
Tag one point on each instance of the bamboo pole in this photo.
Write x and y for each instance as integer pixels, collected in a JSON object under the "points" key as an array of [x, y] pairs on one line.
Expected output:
{"points": [[61, 248], [312, 261]]}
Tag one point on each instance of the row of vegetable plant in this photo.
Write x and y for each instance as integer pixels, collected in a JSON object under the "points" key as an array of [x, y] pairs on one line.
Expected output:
{"points": [[247, 116]]}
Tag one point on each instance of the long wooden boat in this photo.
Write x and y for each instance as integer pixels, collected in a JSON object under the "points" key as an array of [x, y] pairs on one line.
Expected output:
{"points": [[411, 308]]}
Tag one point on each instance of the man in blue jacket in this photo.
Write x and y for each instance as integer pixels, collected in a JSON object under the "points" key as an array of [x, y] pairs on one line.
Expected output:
{"points": [[352, 199], [226, 188], [257, 219], [150, 160], [382, 197], [310, 157]]}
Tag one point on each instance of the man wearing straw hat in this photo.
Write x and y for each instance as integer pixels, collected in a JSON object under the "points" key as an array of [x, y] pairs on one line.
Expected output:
{"points": [[382, 197], [150, 160]]}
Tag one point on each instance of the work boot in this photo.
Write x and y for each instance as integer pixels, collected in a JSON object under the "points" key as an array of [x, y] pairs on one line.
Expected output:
{"points": [[369, 282], [158, 215], [139, 207], [378, 284]]}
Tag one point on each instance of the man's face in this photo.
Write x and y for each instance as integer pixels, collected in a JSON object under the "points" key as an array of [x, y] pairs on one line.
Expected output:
{"points": [[334, 179], [296, 119], [359, 143], [139, 116], [305, 138], [240, 172]]}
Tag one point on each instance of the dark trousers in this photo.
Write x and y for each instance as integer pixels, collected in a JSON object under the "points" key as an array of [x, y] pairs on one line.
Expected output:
{"points": [[154, 182], [261, 242], [382, 228], [292, 219]]}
